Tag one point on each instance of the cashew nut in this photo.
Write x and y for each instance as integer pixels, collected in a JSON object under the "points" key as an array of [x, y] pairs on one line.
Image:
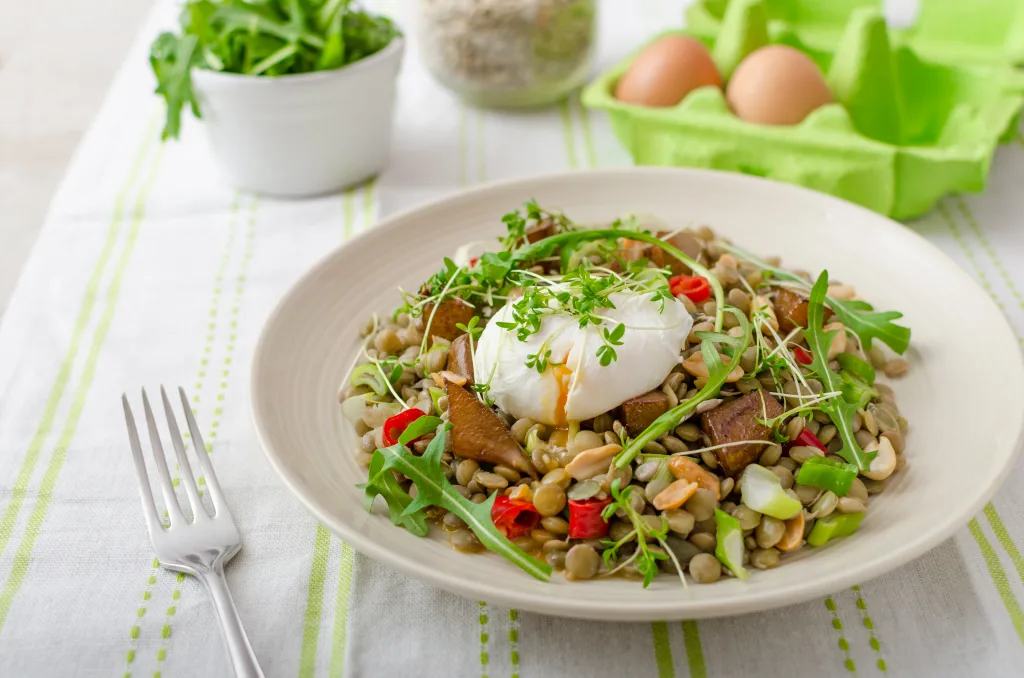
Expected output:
{"points": [[686, 469], [884, 462], [675, 495], [694, 364], [793, 535]]}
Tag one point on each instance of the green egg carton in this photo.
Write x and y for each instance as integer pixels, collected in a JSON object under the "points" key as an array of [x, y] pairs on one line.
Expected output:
{"points": [[905, 130], [988, 32]]}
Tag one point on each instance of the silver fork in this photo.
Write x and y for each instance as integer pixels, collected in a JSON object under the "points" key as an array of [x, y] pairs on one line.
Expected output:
{"points": [[203, 546]]}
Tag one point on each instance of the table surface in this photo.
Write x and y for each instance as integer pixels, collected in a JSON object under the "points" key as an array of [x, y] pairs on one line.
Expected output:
{"points": [[53, 76], [150, 270]]}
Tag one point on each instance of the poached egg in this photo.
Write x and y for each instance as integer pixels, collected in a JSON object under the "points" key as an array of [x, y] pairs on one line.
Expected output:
{"points": [[575, 386]]}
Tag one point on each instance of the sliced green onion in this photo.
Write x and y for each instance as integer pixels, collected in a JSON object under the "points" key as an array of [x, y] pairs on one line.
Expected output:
{"points": [[828, 474], [369, 376], [435, 396], [729, 549], [762, 491], [833, 527]]}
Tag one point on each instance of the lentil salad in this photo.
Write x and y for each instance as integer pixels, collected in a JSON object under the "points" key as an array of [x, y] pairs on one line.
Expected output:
{"points": [[765, 434]]}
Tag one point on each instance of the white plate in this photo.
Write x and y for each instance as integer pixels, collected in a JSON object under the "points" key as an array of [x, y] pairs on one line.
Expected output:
{"points": [[963, 395]]}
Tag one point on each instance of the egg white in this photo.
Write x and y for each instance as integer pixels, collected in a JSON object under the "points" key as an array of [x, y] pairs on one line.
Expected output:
{"points": [[650, 349]]}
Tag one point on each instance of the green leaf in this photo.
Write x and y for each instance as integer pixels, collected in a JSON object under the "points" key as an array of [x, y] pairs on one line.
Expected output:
{"points": [[495, 266], [869, 324], [419, 427], [171, 58], [858, 316], [382, 483], [839, 410], [862, 369], [433, 489], [855, 391]]}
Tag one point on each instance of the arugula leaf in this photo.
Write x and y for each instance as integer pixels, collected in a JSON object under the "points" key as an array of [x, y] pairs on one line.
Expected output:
{"points": [[858, 316], [383, 483], [839, 410], [419, 427], [269, 38], [172, 58], [869, 324], [433, 489]]}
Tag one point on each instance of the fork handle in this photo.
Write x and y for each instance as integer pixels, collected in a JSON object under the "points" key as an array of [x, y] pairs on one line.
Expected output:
{"points": [[243, 659]]}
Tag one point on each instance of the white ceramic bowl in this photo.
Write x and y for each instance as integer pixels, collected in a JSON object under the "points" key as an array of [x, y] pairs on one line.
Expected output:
{"points": [[301, 135], [963, 398]]}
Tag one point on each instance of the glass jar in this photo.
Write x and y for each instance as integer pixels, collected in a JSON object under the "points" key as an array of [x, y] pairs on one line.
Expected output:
{"points": [[508, 53]]}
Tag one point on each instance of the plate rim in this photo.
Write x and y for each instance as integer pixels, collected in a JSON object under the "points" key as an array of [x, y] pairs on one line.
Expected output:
{"points": [[643, 610]]}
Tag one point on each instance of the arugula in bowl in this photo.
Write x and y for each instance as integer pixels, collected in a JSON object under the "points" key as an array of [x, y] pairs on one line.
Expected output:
{"points": [[261, 38]]}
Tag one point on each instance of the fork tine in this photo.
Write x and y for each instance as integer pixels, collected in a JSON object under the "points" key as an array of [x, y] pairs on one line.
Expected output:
{"points": [[198, 510], [203, 455], [166, 487], [146, 492]]}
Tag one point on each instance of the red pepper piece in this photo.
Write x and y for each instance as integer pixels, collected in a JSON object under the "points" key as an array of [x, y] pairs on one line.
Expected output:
{"points": [[803, 356], [394, 426], [513, 517], [585, 521], [695, 287], [808, 439], [472, 262]]}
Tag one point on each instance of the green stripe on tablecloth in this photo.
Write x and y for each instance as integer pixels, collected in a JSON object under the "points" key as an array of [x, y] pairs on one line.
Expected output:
{"points": [[23, 556], [60, 383], [588, 137], [694, 651], [221, 381], [369, 204], [965, 210], [869, 624], [998, 575], [568, 134], [837, 625], [969, 255], [662, 650], [339, 638], [1004, 538], [314, 603]]}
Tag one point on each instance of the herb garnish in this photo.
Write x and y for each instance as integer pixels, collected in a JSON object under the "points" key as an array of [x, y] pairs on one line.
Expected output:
{"points": [[433, 489], [646, 560], [839, 410], [858, 316]]}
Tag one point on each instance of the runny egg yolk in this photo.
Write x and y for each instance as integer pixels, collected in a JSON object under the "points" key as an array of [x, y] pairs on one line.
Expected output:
{"points": [[564, 377]]}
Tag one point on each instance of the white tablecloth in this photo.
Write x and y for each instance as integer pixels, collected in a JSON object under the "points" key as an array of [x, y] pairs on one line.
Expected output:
{"points": [[150, 270]]}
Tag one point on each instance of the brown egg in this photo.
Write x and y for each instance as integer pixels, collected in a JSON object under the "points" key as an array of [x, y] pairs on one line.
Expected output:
{"points": [[776, 85], [666, 71]]}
